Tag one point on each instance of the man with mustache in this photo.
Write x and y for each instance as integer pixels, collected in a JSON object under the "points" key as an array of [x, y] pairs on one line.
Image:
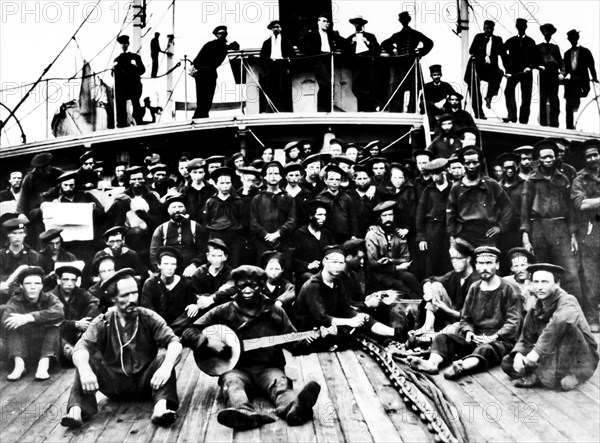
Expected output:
{"points": [[181, 233], [252, 315], [489, 324], [388, 256], [585, 194], [127, 364], [556, 348], [478, 208], [15, 180]]}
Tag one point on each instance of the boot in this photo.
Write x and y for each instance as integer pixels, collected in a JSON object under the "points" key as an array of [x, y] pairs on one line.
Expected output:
{"points": [[301, 410], [243, 417]]}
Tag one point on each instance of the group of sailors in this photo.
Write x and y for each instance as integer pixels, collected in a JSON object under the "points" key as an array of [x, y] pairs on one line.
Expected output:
{"points": [[336, 238], [520, 55]]}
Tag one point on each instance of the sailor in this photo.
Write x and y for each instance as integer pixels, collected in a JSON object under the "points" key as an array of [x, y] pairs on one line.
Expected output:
{"points": [[253, 315], [31, 324], [364, 46], [205, 67], [118, 356], [485, 50], [409, 45], [276, 80], [521, 55], [13, 192], [435, 94], [489, 324], [578, 61], [556, 348], [127, 70], [552, 69]]}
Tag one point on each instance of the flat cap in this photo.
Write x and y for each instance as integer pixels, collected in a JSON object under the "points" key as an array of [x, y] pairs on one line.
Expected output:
{"points": [[343, 159], [267, 256], [219, 29], [419, 152], [272, 164], [169, 251], [99, 258], [590, 144], [544, 144], [363, 168], [464, 248], [121, 274], [50, 234], [135, 170], [18, 222], [333, 249], [548, 267], [41, 160], [490, 23], [313, 158], [291, 145], [123, 39], [508, 156], [334, 168], [384, 206], [290, 167], [273, 23], [435, 68], [520, 251], [29, 271], [86, 156], [175, 198], [75, 267], [353, 244], [222, 172], [526, 149], [195, 163], [445, 117], [250, 170], [317, 203], [114, 231], [487, 250], [247, 272], [573, 33], [436, 164], [69, 175], [219, 244], [158, 167], [372, 144], [215, 159], [548, 27]]}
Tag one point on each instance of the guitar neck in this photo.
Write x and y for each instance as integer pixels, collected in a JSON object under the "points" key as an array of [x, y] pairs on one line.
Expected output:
{"points": [[276, 340]]}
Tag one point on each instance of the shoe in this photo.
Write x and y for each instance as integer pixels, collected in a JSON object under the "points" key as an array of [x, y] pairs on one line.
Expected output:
{"points": [[456, 371], [595, 327], [488, 103], [69, 422], [166, 419], [243, 418], [569, 383], [302, 407], [528, 381]]}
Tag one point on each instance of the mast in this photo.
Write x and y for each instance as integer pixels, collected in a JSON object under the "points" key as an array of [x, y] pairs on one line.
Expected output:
{"points": [[170, 50], [463, 30], [139, 22]]}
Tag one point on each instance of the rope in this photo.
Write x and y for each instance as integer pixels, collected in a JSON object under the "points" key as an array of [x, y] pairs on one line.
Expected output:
{"points": [[269, 101], [396, 141], [398, 87], [172, 92], [257, 139]]}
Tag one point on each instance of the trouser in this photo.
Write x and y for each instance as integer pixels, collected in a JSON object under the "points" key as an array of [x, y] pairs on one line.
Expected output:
{"points": [[437, 257], [322, 70], [206, 84], [572, 356], [237, 385], [117, 386], [451, 346], [403, 281], [33, 341], [133, 95], [549, 97], [574, 90], [551, 243], [154, 67], [589, 247], [490, 74], [507, 240], [363, 81], [276, 84], [138, 239], [526, 81], [474, 234]]}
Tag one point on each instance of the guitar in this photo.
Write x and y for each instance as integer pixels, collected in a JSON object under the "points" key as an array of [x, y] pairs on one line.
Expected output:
{"points": [[215, 365]]}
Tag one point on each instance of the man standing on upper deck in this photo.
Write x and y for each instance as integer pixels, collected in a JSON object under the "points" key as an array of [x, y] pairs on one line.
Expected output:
{"points": [[522, 58], [321, 42], [127, 70], [409, 45], [205, 66], [485, 50], [578, 60], [551, 68]]}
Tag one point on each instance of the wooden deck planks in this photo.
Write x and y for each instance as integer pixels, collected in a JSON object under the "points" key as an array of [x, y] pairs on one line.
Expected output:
{"points": [[351, 419], [327, 427], [380, 426], [535, 404], [407, 424]]}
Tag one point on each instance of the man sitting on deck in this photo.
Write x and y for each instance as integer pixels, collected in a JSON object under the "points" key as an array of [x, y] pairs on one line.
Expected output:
{"points": [[127, 365], [253, 315], [556, 347], [489, 323]]}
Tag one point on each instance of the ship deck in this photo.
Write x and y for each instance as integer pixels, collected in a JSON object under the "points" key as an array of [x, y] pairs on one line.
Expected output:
{"points": [[357, 403]]}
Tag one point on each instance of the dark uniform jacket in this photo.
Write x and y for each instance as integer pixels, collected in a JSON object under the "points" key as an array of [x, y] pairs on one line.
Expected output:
{"points": [[169, 304], [80, 305], [307, 248], [195, 200], [586, 185], [271, 212], [374, 49], [521, 53], [48, 310], [342, 219], [224, 215], [406, 41], [47, 263], [311, 43], [220, 285], [479, 47], [287, 48], [32, 191], [431, 208]]}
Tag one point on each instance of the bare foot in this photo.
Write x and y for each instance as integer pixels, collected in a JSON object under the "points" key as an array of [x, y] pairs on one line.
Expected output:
{"points": [[42, 370], [422, 365], [18, 372]]}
